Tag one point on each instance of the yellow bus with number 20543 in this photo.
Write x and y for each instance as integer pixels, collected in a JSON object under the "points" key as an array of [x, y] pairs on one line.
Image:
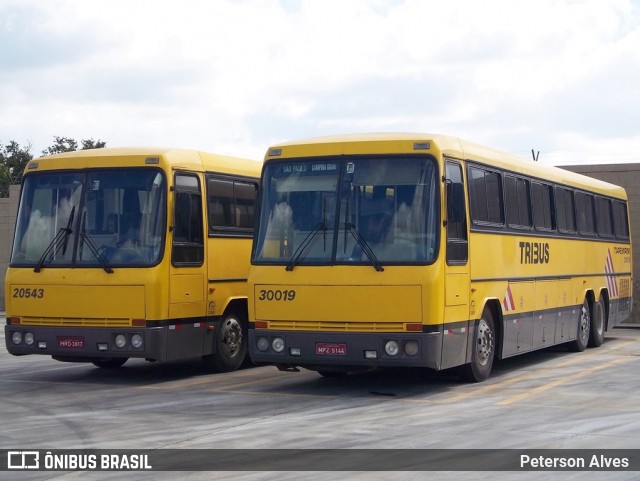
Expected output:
{"points": [[427, 250], [133, 253]]}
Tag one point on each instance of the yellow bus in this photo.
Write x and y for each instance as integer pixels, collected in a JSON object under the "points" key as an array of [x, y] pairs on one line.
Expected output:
{"points": [[427, 250], [132, 253]]}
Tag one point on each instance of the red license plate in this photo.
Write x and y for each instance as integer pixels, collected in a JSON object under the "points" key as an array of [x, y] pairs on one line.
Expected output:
{"points": [[331, 349], [67, 342]]}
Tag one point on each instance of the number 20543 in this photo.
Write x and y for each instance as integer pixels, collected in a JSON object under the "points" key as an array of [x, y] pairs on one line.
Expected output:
{"points": [[22, 293], [277, 295]]}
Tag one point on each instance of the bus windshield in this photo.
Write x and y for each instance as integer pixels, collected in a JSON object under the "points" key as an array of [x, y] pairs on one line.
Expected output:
{"points": [[94, 218], [361, 210]]}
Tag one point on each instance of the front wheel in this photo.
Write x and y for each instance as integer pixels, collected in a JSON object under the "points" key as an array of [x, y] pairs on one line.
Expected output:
{"points": [[230, 344], [483, 352]]}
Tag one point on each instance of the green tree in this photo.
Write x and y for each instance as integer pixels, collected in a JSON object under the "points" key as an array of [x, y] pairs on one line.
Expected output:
{"points": [[61, 144], [67, 144], [13, 160], [93, 144]]}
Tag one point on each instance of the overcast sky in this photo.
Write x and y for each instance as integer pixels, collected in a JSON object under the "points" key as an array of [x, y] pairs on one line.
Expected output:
{"points": [[233, 77]]}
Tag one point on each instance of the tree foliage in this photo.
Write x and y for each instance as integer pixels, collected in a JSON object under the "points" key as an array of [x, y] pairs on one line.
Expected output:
{"points": [[67, 144], [14, 159]]}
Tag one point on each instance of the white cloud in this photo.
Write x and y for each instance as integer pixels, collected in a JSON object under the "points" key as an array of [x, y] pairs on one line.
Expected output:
{"points": [[234, 76]]}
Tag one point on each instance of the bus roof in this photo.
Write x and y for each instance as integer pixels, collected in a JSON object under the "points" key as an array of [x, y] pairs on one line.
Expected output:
{"points": [[412, 143], [136, 157]]}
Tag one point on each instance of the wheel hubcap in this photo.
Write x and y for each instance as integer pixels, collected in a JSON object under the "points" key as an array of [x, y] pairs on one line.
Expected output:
{"points": [[584, 324], [231, 337], [485, 342]]}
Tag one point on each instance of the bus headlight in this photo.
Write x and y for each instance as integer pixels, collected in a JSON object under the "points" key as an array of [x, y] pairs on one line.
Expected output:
{"points": [[16, 337], [391, 348], [29, 338], [262, 344], [411, 348], [121, 340], [136, 341], [278, 344]]}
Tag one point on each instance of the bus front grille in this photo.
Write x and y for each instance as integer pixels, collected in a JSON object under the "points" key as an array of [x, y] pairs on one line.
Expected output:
{"points": [[340, 326], [45, 321]]}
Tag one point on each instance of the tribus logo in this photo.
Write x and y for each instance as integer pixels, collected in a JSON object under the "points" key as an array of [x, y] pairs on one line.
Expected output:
{"points": [[23, 460]]}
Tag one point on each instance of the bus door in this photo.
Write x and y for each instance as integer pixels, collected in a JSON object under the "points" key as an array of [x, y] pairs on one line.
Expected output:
{"points": [[456, 312], [187, 281]]}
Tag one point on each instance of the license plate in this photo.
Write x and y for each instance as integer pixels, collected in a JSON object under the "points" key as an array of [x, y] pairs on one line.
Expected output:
{"points": [[71, 342], [331, 349]]}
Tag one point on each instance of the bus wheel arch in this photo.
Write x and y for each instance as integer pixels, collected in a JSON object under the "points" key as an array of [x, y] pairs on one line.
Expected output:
{"points": [[230, 338]]}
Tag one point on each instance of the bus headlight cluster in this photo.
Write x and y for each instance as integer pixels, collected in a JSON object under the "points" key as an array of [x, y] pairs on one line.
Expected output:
{"points": [[391, 348], [136, 341], [27, 338], [278, 344], [263, 343], [395, 348], [123, 341]]}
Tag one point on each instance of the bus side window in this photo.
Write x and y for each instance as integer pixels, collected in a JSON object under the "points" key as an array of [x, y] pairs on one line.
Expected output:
{"points": [[188, 242], [457, 246], [584, 209]]}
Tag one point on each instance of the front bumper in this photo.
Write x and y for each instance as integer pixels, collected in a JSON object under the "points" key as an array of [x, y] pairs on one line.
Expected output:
{"points": [[317, 350], [86, 343]]}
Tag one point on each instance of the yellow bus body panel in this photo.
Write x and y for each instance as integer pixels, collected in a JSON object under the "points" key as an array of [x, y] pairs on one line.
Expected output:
{"points": [[351, 304], [83, 302], [343, 298]]}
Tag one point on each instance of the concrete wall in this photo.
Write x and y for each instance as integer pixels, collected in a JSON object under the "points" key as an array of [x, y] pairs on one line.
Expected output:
{"points": [[627, 176], [8, 211]]}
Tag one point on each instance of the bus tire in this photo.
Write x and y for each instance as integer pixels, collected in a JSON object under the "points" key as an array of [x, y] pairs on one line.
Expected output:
{"points": [[596, 336], [230, 340], [584, 328], [483, 350], [110, 362]]}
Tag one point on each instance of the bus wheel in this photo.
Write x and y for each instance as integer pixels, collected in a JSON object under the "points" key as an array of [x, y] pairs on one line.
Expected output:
{"points": [[584, 327], [483, 352], [231, 344], [596, 336], [110, 362]]}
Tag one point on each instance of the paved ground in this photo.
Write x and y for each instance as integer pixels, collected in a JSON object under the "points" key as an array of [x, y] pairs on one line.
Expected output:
{"points": [[548, 399]]}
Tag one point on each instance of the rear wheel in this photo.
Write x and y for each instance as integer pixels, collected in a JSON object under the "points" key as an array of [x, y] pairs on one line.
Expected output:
{"points": [[110, 362], [483, 352], [230, 344], [596, 336], [584, 327]]}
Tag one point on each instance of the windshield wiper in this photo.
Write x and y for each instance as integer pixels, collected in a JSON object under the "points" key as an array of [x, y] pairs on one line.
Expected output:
{"points": [[364, 245], [304, 245], [84, 238], [61, 240], [96, 253]]}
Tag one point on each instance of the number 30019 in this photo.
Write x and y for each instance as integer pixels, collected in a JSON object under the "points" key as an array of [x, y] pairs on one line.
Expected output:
{"points": [[277, 295]]}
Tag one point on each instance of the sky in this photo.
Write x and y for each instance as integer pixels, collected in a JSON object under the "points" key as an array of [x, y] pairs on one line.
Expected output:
{"points": [[561, 77]]}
